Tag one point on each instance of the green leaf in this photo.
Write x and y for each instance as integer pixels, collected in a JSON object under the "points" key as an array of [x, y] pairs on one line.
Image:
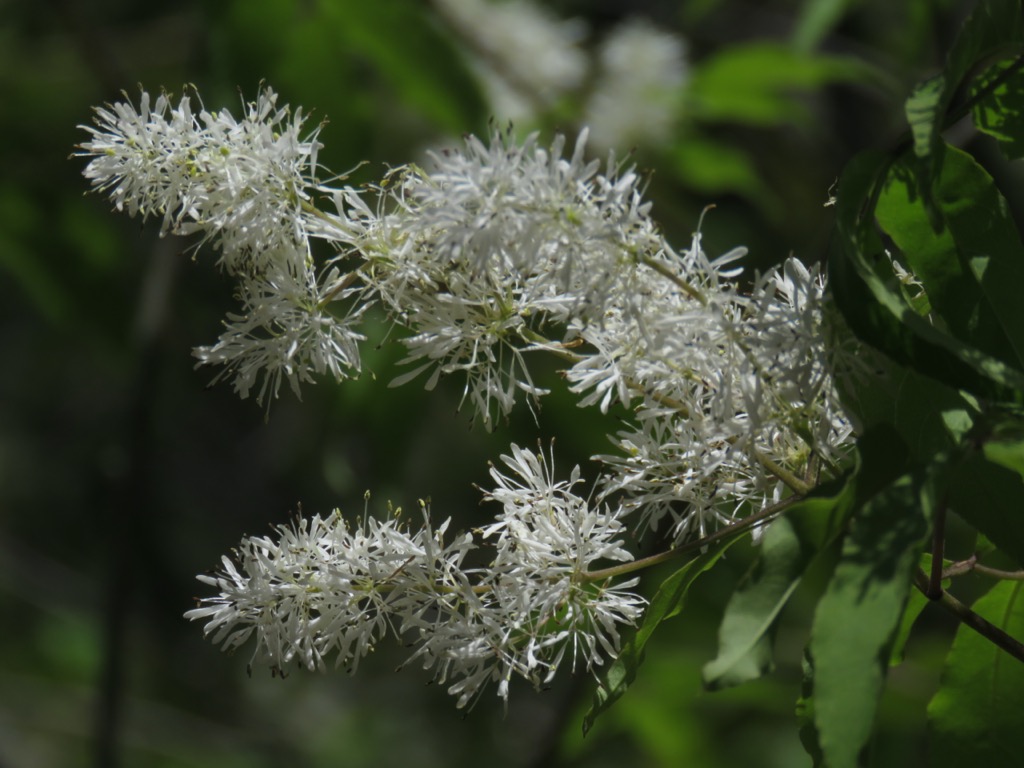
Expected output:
{"points": [[666, 603], [789, 545], [987, 244], [744, 638], [973, 264], [975, 717], [817, 19], [994, 29], [991, 498], [762, 84], [1006, 453], [916, 601], [856, 620], [805, 713], [929, 416], [715, 167], [999, 110], [877, 313]]}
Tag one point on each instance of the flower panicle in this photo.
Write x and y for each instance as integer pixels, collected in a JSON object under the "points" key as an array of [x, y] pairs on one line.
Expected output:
{"points": [[486, 254], [321, 587]]}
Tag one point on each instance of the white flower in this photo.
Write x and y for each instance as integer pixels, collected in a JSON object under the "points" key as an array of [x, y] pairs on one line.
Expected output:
{"points": [[730, 385], [638, 92], [497, 243], [244, 185], [321, 588], [554, 537], [286, 331], [241, 181], [535, 606]]}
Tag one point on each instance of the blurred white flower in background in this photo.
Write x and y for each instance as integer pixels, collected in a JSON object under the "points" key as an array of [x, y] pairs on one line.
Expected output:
{"points": [[638, 89], [526, 57]]}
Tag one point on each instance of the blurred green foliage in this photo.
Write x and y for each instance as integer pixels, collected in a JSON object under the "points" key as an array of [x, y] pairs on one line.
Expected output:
{"points": [[121, 476]]}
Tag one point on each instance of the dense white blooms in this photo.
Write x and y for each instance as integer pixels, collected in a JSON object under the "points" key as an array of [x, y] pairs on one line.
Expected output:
{"points": [[245, 185], [638, 90], [242, 182], [285, 331], [494, 244], [498, 250], [729, 386], [320, 589]]}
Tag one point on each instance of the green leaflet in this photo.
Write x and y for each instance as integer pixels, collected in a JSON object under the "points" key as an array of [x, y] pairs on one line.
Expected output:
{"points": [[991, 498], [419, 62], [877, 313], [745, 638], [1006, 453], [856, 620], [921, 409], [817, 19], [666, 603], [975, 717], [714, 166], [788, 547], [761, 84], [805, 713], [999, 111], [916, 602], [995, 29], [973, 267]]}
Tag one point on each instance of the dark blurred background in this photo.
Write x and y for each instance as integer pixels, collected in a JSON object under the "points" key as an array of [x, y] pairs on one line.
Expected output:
{"points": [[122, 475]]}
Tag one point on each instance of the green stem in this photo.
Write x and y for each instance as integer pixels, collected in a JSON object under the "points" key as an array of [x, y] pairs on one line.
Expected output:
{"points": [[729, 531], [793, 482], [675, 279]]}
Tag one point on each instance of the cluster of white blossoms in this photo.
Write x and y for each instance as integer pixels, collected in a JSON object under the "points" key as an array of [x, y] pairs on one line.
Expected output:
{"points": [[498, 251], [245, 186], [321, 589]]}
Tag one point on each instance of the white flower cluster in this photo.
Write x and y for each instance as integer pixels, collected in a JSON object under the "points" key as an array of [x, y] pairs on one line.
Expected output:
{"points": [[245, 185], [496, 244], [498, 251], [320, 589]]}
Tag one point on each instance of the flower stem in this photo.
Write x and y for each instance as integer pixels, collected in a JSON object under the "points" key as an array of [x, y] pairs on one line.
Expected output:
{"points": [[729, 531], [675, 279]]}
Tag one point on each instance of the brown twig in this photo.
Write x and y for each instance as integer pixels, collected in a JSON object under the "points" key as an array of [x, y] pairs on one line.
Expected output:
{"points": [[966, 616]]}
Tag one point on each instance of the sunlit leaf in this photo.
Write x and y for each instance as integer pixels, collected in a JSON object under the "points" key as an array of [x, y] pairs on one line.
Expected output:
{"points": [[857, 618], [972, 266], [995, 28], [999, 111], [667, 602], [877, 313], [975, 717]]}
